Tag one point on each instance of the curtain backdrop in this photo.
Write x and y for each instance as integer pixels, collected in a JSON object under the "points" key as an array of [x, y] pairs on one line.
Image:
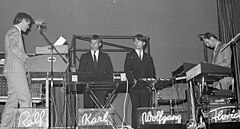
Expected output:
{"points": [[229, 27]]}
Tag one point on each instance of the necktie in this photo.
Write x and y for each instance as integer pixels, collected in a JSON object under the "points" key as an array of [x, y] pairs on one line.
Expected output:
{"points": [[140, 55], [95, 60], [213, 57]]}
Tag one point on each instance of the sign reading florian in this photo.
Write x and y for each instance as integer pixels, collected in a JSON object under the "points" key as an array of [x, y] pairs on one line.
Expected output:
{"points": [[157, 116], [224, 114], [31, 117], [93, 117]]}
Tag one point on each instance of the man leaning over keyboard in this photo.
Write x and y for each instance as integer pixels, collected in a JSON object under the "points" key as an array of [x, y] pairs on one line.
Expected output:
{"points": [[222, 55]]}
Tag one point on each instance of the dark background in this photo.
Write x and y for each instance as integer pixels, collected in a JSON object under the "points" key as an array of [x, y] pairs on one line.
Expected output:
{"points": [[172, 25]]}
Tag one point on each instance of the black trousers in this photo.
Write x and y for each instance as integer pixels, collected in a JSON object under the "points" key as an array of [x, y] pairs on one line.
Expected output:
{"points": [[139, 98]]}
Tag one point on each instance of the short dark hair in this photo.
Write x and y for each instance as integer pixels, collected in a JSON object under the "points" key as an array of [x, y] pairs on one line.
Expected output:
{"points": [[140, 37], [207, 35], [96, 37], [20, 16]]}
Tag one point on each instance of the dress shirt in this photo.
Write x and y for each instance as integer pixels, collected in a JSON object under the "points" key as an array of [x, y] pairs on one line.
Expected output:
{"points": [[140, 53], [96, 54], [18, 29]]}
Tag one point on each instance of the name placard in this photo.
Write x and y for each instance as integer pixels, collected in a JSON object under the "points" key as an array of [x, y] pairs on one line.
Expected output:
{"points": [[94, 117], [148, 116], [31, 117], [224, 114]]}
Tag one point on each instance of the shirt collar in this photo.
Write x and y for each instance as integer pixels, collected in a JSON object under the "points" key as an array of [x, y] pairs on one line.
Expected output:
{"points": [[138, 51], [18, 29], [215, 48], [97, 52]]}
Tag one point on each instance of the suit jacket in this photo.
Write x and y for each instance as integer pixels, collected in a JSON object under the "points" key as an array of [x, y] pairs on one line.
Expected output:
{"points": [[103, 72], [139, 68], [15, 53], [222, 58]]}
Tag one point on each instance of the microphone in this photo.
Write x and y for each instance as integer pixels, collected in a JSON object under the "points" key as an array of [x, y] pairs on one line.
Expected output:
{"points": [[201, 36], [147, 37], [41, 24], [235, 39]]}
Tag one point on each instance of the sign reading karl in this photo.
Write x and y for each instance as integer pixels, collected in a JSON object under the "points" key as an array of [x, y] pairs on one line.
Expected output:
{"points": [[31, 117], [94, 117]]}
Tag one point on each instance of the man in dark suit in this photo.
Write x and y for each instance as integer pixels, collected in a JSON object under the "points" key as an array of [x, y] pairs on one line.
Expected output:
{"points": [[96, 66], [140, 65], [14, 69]]}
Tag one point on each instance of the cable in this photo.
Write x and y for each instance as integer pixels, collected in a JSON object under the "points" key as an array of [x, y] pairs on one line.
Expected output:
{"points": [[55, 110], [124, 105]]}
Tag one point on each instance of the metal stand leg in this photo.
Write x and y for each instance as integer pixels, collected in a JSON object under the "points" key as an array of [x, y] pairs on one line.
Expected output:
{"points": [[192, 102], [47, 102], [99, 105]]}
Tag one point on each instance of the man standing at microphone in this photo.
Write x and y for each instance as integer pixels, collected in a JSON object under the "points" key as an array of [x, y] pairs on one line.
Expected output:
{"points": [[14, 69]]}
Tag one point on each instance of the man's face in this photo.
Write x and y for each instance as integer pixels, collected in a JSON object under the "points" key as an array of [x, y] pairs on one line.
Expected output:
{"points": [[25, 25], [138, 44], [209, 43], [95, 44]]}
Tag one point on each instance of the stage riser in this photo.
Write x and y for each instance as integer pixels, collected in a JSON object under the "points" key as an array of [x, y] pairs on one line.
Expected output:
{"points": [[232, 125]]}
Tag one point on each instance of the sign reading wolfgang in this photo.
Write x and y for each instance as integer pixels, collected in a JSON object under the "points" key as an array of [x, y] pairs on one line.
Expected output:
{"points": [[31, 117], [93, 117], [148, 116]]}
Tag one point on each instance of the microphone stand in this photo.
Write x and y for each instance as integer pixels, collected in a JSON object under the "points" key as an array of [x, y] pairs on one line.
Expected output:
{"points": [[51, 74]]}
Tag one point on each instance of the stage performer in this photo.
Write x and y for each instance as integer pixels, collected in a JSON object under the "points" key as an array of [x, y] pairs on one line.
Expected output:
{"points": [[96, 66], [220, 57], [139, 65], [14, 69]]}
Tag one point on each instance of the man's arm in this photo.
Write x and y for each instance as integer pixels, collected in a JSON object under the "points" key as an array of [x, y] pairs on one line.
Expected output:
{"points": [[226, 57], [128, 67], [127, 63], [151, 68], [82, 64], [109, 66], [14, 39]]}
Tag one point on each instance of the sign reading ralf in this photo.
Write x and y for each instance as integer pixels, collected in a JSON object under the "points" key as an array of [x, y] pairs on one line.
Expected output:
{"points": [[31, 117], [148, 116], [93, 117]]}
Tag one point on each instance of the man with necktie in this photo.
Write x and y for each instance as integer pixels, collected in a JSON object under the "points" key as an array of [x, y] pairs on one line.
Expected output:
{"points": [[139, 65], [96, 66], [14, 69]]}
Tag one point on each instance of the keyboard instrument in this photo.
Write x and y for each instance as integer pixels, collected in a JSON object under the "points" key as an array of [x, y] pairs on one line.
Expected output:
{"points": [[209, 71], [42, 63], [62, 49], [181, 71]]}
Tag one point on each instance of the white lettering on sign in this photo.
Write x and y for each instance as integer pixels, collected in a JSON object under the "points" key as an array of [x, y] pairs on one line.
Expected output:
{"points": [[29, 118], [159, 117], [220, 115], [87, 118]]}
